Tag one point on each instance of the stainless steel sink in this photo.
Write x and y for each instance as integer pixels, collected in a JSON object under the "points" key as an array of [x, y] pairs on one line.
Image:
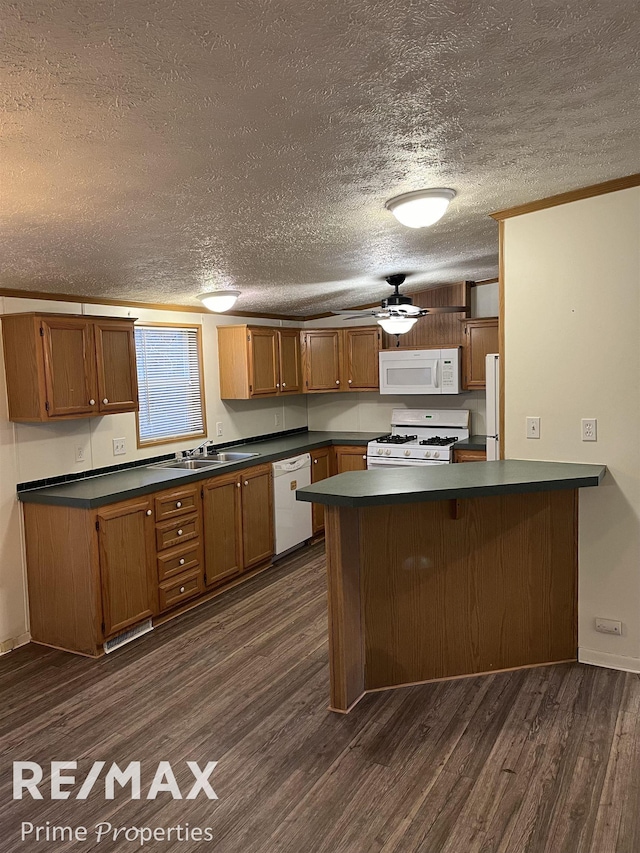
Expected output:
{"points": [[225, 457], [188, 464], [231, 456]]}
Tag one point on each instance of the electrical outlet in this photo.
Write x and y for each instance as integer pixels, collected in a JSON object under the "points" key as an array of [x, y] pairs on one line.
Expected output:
{"points": [[533, 427], [277, 419], [80, 453], [219, 429], [609, 626], [589, 429], [119, 447]]}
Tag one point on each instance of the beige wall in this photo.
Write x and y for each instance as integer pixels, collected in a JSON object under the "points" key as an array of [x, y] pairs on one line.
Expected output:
{"points": [[572, 351], [34, 451]]}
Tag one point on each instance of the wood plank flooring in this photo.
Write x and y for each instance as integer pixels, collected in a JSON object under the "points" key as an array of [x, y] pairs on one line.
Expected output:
{"points": [[545, 760]]}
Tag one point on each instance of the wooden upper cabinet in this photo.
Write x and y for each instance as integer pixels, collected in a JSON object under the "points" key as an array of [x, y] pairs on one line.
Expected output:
{"points": [[127, 564], [263, 361], [116, 366], [60, 366], [258, 361], [321, 468], [481, 338], [290, 366], [222, 523], [361, 348], [321, 360], [69, 366]]}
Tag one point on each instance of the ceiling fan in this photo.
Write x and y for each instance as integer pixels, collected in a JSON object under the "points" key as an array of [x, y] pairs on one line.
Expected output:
{"points": [[397, 314]]}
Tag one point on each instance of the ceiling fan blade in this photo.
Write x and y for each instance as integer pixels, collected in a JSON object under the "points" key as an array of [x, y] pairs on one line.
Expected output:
{"points": [[446, 309]]}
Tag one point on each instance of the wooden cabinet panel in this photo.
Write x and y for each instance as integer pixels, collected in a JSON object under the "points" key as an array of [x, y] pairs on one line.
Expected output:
{"points": [[320, 470], [290, 366], [469, 456], [481, 338], [180, 589], [177, 561], [321, 360], [172, 533], [127, 564], [222, 517], [176, 503], [69, 366], [361, 348], [60, 366], [263, 361], [257, 516], [116, 367], [350, 458]]}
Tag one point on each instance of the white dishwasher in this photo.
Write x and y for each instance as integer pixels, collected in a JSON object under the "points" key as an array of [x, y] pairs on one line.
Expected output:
{"points": [[292, 517]]}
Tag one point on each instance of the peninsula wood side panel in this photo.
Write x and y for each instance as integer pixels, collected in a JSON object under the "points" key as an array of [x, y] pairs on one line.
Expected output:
{"points": [[494, 588]]}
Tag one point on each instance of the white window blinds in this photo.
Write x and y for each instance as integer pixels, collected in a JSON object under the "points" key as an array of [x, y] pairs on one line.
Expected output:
{"points": [[169, 383]]}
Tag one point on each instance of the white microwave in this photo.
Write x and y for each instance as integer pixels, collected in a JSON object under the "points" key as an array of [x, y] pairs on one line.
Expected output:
{"points": [[420, 371]]}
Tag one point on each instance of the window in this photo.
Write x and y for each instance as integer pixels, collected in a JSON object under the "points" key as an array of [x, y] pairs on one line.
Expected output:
{"points": [[170, 383]]}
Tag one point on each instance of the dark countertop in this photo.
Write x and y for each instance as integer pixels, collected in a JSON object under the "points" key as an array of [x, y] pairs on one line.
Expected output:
{"points": [[441, 482], [131, 483], [474, 442]]}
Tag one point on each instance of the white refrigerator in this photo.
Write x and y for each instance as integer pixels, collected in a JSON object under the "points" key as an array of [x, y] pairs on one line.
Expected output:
{"points": [[493, 406]]}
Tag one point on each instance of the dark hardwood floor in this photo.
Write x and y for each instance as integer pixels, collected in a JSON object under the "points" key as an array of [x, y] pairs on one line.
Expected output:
{"points": [[545, 759]]}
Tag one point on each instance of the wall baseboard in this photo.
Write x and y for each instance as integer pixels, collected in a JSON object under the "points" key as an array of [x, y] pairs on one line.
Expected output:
{"points": [[14, 643], [621, 662]]}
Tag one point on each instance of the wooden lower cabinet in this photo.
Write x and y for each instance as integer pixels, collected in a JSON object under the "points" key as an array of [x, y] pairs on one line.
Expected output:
{"points": [[238, 523], [222, 517], [350, 458], [127, 565], [321, 468], [469, 456]]}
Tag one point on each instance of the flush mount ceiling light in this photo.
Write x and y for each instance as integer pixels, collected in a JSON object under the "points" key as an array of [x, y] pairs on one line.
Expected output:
{"points": [[219, 300], [397, 325], [420, 208]]}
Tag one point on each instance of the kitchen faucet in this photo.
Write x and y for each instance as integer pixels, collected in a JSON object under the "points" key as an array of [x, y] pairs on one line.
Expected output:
{"points": [[201, 447]]}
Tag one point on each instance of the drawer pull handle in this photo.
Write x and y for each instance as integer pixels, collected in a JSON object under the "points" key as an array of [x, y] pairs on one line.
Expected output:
{"points": [[237, 485], [337, 381], [181, 589], [277, 384], [178, 504], [180, 532], [148, 512], [182, 561], [92, 402], [315, 461], [350, 381], [246, 482], [284, 384], [105, 401]]}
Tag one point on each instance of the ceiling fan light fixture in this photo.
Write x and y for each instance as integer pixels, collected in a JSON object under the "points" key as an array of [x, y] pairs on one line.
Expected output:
{"points": [[397, 325], [420, 208], [219, 300]]}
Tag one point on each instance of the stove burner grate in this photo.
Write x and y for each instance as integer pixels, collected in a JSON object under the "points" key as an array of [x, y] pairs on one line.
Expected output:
{"points": [[397, 439], [439, 440]]}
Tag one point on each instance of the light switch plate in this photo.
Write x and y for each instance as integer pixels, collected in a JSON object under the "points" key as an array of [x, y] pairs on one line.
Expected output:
{"points": [[533, 427], [80, 453], [119, 447], [219, 429]]}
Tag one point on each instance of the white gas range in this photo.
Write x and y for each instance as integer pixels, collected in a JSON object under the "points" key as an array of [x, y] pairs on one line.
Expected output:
{"points": [[419, 437]]}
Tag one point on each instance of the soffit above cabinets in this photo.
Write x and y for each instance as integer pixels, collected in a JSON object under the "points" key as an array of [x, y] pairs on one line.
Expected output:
{"points": [[152, 151]]}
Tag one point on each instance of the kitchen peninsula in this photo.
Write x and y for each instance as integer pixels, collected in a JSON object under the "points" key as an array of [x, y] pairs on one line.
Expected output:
{"points": [[449, 571]]}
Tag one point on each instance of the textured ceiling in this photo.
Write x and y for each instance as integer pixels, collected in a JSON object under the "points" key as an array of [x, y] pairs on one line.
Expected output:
{"points": [[153, 149]]}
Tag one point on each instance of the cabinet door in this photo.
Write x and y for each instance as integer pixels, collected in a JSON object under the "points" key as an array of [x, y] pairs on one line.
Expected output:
{"points": [[469, 456], [361, 348], [116, 367], [321, 360], [69, 366], [290, 368], [320, 470], [263, 362], [351, 458], [127, 564], [481, 338], [222, 531], [257, 516]]}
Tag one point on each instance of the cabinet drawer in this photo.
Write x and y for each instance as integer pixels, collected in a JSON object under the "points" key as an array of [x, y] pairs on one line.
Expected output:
{"points": [[176, 562], [176, 532], [176, 503], [181, 588]]}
